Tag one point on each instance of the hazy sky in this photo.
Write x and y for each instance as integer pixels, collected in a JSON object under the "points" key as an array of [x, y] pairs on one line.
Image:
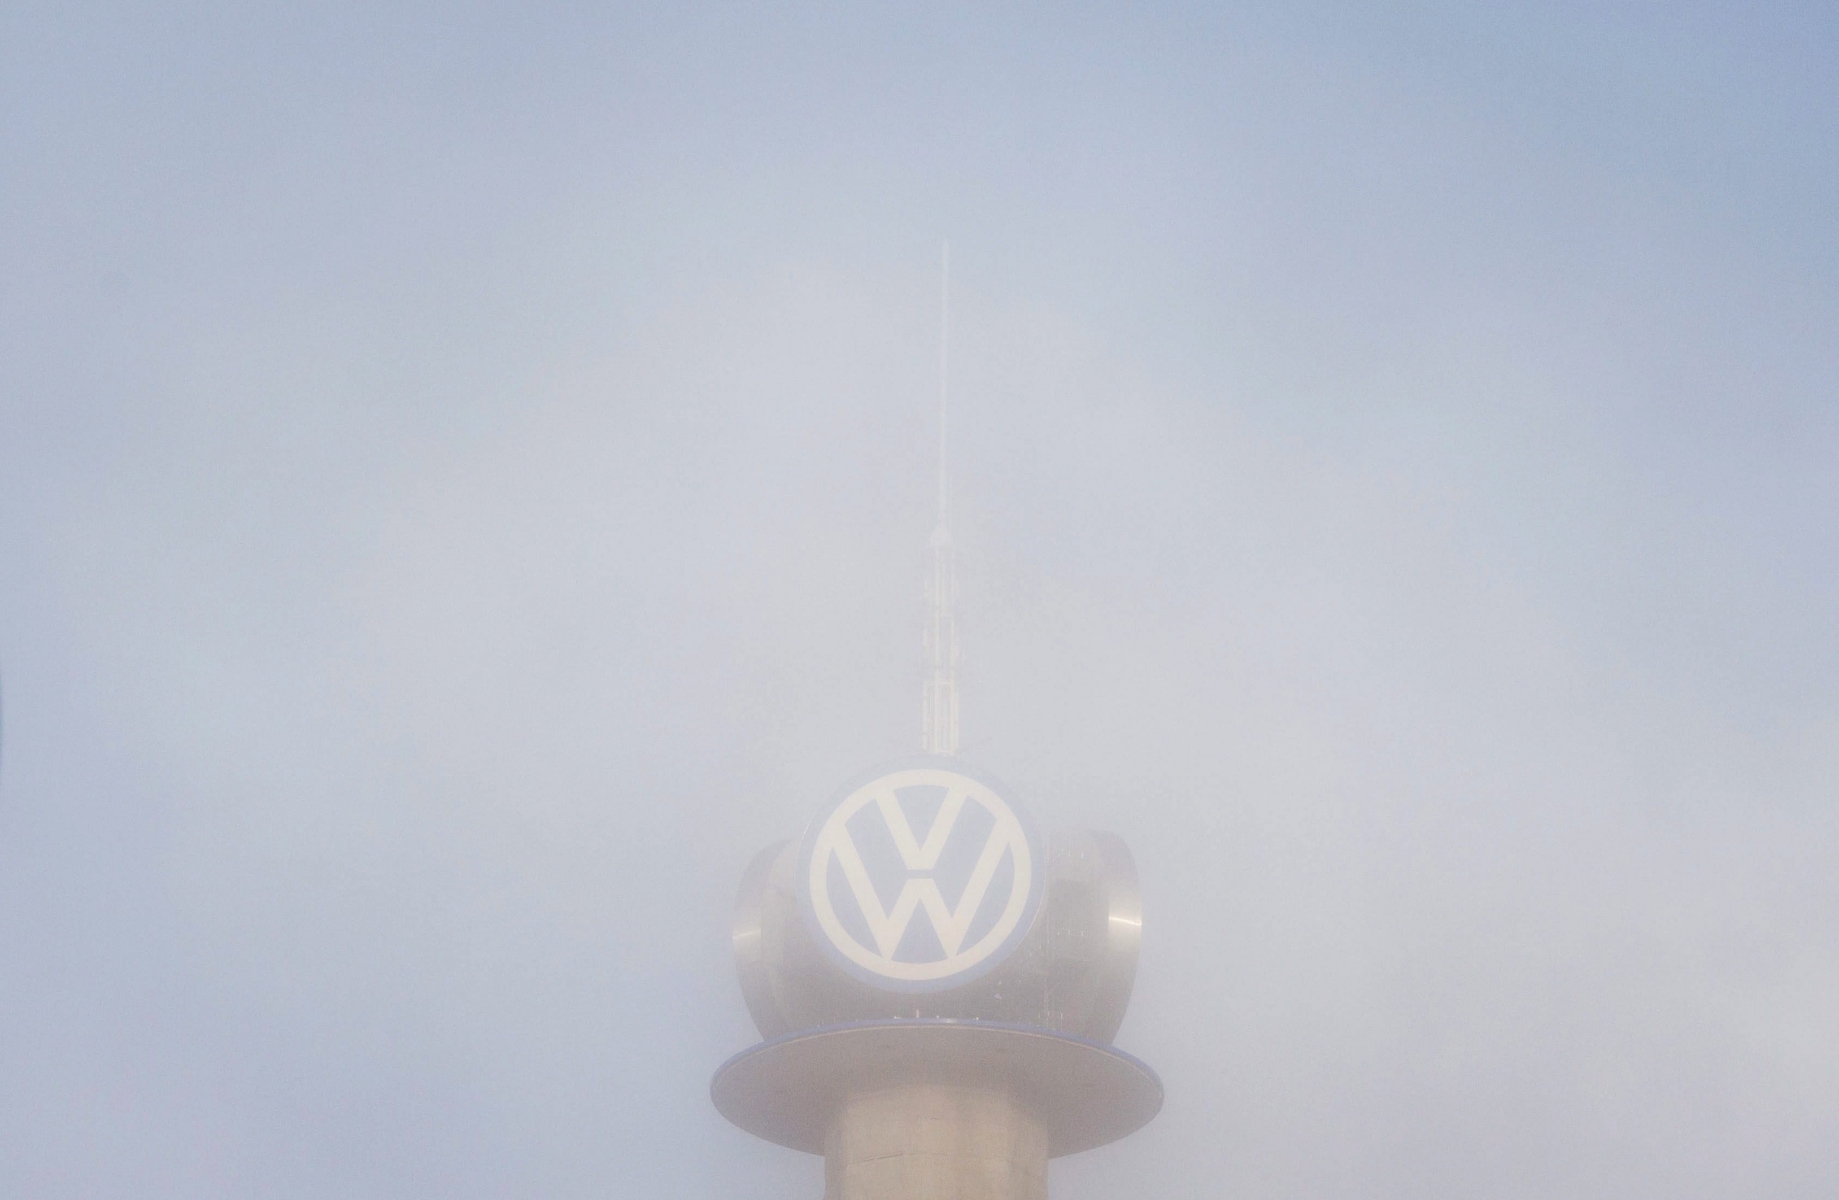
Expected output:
{"points": [[464, 479]]}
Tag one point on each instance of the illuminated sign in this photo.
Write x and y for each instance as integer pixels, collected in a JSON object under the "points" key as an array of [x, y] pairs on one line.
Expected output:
{"points": [[920, 879]]}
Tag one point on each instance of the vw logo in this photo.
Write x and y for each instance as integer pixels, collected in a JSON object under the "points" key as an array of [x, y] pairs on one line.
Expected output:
{"points": [[920, 879]]}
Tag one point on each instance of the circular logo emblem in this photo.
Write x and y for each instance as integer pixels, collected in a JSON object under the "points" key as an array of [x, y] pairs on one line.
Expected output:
{"points": [[921, 879]]}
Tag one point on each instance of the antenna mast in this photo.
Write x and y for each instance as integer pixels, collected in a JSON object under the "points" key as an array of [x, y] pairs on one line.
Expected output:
{"points": [[939, 708]]}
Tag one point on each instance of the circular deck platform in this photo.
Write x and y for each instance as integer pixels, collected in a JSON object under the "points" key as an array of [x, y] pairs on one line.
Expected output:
{"points": [[789, 1089]]}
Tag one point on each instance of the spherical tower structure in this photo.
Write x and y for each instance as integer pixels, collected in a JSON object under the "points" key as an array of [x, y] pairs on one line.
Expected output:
{"points": [[936, 983]]}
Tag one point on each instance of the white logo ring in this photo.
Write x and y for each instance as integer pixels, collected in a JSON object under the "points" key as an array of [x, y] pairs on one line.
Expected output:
{"points": [[1008, 838]]}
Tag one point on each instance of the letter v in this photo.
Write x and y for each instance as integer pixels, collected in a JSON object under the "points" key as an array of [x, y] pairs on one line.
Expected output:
{"points": [[913, 855]]}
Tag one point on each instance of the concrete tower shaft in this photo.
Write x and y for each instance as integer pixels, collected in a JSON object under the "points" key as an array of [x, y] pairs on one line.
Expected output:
{"points": [[928, 1139]]}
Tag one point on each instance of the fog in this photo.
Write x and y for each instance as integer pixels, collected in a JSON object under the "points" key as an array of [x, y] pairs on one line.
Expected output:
{"points": [[464, 482]]}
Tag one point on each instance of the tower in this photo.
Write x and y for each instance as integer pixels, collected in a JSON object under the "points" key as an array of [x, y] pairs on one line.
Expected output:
{"points": [[937, 984]]}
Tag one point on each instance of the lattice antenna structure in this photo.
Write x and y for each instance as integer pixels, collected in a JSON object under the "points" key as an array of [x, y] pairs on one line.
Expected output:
{"points": [[939, 705]]}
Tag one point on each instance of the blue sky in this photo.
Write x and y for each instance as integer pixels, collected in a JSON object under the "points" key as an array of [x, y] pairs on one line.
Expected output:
{"points": [[464, 476]]}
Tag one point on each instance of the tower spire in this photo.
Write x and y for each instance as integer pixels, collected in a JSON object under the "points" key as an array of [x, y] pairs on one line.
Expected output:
{"points": [[939, 706]]}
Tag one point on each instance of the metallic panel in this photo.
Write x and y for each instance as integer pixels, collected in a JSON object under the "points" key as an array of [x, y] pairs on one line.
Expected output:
{"points": [[752, 959], [1123, 936]]}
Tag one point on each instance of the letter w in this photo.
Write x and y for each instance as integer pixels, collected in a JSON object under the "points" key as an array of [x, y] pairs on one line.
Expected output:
{"points": [[889, 926]]}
